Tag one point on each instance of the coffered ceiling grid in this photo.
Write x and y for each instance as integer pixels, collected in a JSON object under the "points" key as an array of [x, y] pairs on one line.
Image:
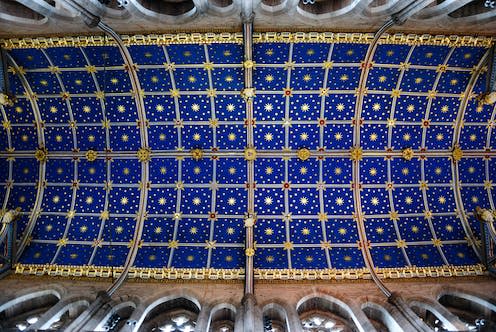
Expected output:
{"points": [[343, 208]]}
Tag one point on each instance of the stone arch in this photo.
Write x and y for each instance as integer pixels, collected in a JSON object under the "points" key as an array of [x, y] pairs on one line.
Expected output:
{"points": [[328, 9], [164, 301], [123, 308], [29, 304], [468, 306], [335, 309], [275, 315], [61, 314], [222, 315], [434, 314], [164, 11], [15, 12], [383, 314]]}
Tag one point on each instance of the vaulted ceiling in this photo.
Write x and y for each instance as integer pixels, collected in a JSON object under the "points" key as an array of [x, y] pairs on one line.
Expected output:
{"points": [[359, 191]]}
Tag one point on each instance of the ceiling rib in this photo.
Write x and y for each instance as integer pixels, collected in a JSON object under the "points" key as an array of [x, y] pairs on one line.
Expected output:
{"points": [[99, 92], [358, 214], [144, 159], [34, 214], [248, 84], [467, 95]]}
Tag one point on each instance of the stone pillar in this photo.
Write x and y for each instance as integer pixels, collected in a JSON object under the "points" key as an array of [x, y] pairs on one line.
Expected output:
{"points": [[396, 300], [252, 315], [203, 320]]}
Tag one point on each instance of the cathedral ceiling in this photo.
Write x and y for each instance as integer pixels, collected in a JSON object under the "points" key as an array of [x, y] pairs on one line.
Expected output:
{"points": [[399, 153]]}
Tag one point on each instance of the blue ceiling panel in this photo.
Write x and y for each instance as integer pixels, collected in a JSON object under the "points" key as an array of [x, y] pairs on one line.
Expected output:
{"points": [[373, 170], [336, 170], [349, 53], [418, 80], [473, 137], [268, 107], [338, 137], [30, 58], [57, 199], [20, 112], [414, 229], [60, 170], [190, 257], [162, 200], [85, 228], [347, 258], [391, 53], [155, 257], [406, 137], [439, 137], [49, 227], [227, 258], [271, 258], [103, 56], [308, 258], [338, 201], [120, 109], [228, 231], [225, 53], [92, 171], [466, 56], [163, 170], [453, 82], [424, 255], [388, 257], [23, 138], [28, 170], [408, 200], [74, 254], [86, 110], [310, 52], [110, 255], [307, 78], [186, 54], [270, 231], [91, 137], [158, 230], [155, 80], [270, 52], [459, 254], [65, 57], [438, 170], [380, 230], [448, 228], [147, 54], [444, 109], [343, 78], [429, 55], [405, 172], [342, 231], [383, 79], [410, 108], [376, 107], [38, 253], [78, 82]]}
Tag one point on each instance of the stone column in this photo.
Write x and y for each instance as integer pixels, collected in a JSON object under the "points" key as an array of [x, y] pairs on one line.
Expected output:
{"points": [[203, 320]]}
